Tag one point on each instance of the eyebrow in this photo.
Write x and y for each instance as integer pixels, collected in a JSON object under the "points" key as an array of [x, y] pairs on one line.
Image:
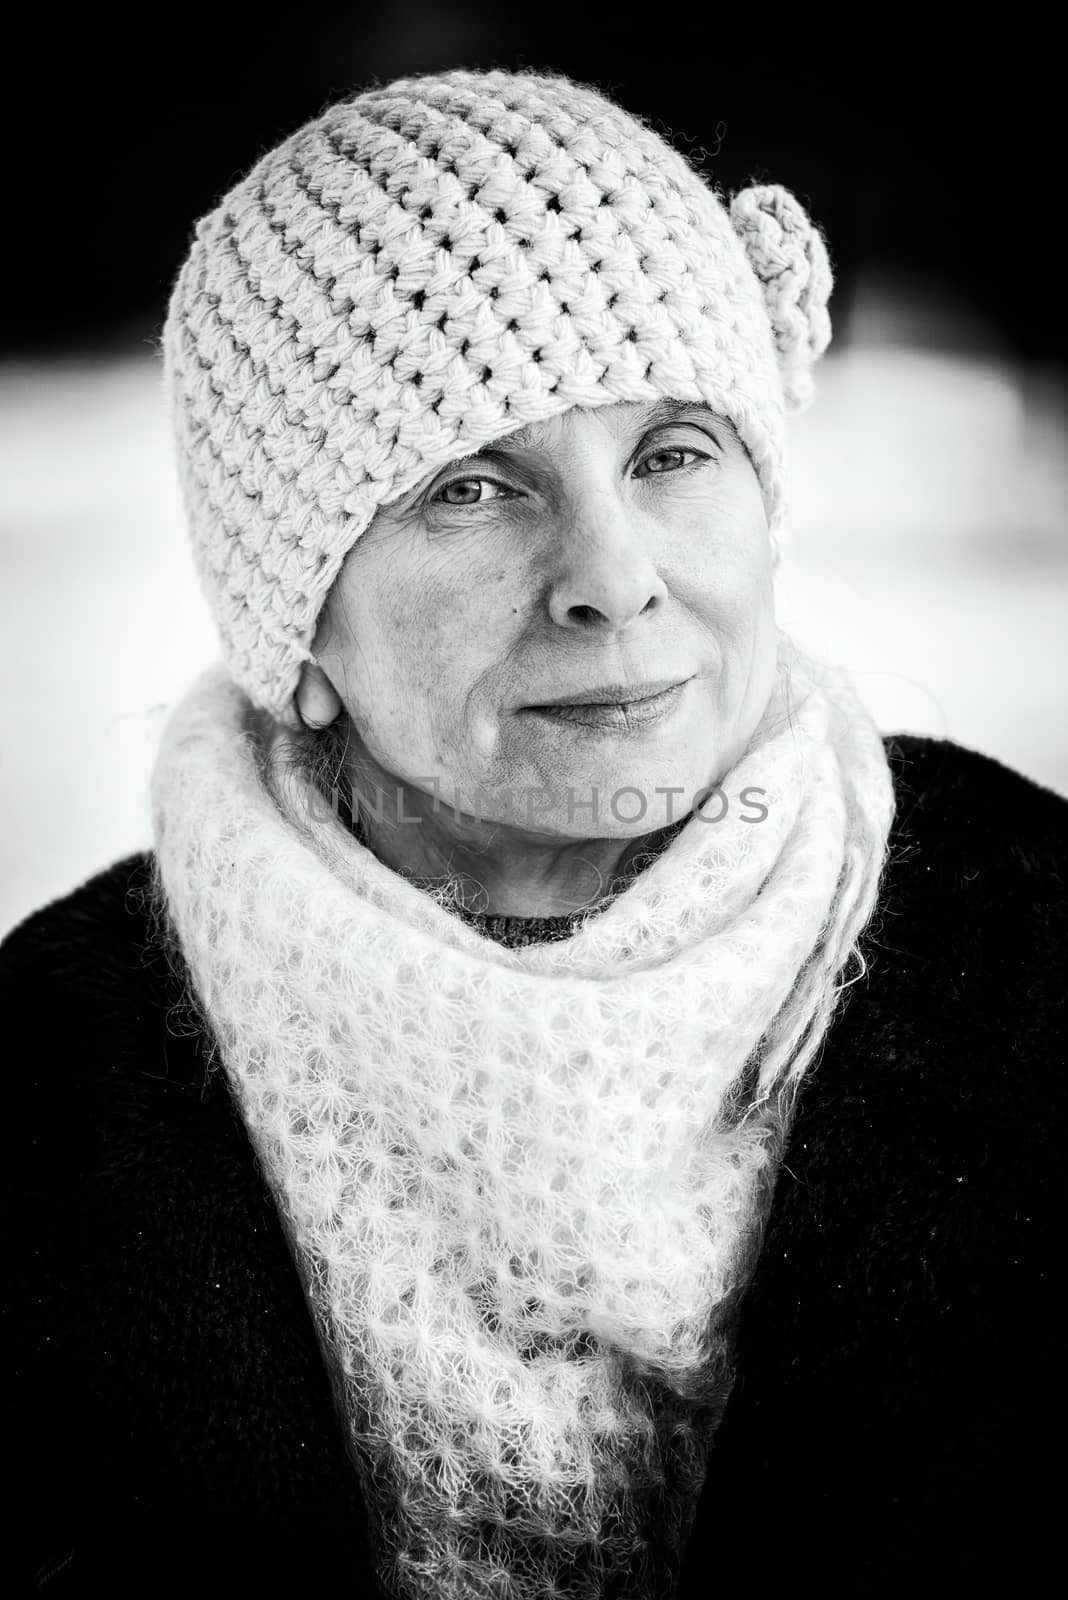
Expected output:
{"points": [[668, 410]]}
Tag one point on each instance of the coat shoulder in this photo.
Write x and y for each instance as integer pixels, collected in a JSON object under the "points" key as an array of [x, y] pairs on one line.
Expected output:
{"points": [[972, 801], [966, 948], [93, 937]]}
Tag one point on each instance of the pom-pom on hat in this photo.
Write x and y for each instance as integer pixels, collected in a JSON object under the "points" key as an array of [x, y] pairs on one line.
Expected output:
{"points": [[434, 264]]}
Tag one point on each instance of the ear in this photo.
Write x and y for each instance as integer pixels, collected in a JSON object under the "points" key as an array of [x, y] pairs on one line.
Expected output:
{"points": [[318, 702]]}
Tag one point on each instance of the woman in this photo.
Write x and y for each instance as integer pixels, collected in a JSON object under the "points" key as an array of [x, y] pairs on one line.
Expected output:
{"points": [[458, 1165]]}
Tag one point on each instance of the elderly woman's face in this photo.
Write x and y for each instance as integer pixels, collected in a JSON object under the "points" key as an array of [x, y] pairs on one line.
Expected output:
{"points": [[626, 545]]}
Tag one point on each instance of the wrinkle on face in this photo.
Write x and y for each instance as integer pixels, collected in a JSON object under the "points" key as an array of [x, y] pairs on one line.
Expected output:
{"points": [[446, 621]]}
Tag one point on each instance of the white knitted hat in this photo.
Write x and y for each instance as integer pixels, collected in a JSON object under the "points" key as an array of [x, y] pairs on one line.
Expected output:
{"points": [[430, 266]]}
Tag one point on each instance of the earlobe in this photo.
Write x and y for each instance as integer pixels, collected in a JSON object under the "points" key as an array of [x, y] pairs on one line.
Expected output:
{"points": [[318, 702]]}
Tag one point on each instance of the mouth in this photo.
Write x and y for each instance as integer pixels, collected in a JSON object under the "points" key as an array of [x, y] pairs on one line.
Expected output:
{"points": [[643, 708], [613, 694]]}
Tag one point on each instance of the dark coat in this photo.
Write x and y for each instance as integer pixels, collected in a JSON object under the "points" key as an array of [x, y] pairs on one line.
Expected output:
{"points": [[899, 1411]]}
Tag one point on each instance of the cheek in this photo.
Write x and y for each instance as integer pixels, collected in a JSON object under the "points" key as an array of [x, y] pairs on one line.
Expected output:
{"points": [[735, 589], [763, 596], [718, 528], [430, 635]]}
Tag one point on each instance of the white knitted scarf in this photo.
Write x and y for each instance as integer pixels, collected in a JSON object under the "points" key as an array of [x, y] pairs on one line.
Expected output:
{"points": [[524, 1186]]}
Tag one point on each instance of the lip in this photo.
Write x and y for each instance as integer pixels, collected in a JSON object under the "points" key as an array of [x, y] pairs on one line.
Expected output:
{"points": [[612, 694], [627, 718]]}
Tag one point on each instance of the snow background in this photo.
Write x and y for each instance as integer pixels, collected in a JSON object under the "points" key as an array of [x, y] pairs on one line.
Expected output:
{"points": [[926, 552]]}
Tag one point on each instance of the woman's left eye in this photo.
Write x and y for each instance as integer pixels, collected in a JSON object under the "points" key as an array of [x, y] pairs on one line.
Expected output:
{"points": [[667, 461], [469, 492]]}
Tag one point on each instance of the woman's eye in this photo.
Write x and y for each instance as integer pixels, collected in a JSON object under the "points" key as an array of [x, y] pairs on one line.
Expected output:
{"points": [[667, 461], [469, 492]]}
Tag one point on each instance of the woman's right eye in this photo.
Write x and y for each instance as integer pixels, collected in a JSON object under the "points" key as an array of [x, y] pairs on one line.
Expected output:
{"points": [[469, 492]]}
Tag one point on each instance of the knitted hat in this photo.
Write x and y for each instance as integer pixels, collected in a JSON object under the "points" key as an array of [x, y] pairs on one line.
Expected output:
{"points": [[430, 266]]}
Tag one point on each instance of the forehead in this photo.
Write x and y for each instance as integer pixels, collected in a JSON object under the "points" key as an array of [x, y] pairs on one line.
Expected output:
{"points": [[623, 419]]}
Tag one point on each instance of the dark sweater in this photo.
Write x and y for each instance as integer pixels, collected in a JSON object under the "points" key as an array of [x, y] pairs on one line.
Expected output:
{"points": [[899, 1407]]}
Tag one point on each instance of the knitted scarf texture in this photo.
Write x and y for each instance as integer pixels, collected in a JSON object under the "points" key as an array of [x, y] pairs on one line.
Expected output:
{"points": [[524, 1187]]}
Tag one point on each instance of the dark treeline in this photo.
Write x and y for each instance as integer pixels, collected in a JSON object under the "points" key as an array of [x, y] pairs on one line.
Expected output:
{"points": [[933, 162]]}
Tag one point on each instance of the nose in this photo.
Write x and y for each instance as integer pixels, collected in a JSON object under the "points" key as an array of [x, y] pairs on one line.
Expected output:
{"points": [[605, 577]]}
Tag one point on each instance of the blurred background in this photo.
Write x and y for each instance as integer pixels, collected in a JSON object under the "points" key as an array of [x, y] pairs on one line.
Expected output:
{"points": [[927, 542]]}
